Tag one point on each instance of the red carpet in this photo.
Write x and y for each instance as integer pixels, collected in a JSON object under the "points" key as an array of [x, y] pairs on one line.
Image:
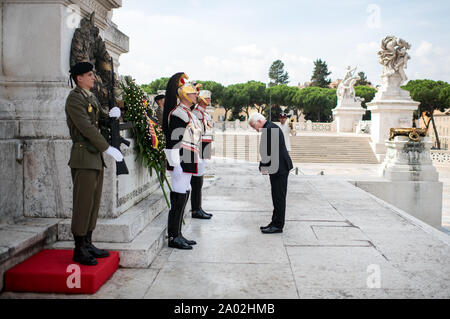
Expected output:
{"points": [[53, 271]]}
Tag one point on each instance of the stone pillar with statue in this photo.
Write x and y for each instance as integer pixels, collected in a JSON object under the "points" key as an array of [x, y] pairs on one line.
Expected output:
{"points": [[392, 106], [348, 111]]}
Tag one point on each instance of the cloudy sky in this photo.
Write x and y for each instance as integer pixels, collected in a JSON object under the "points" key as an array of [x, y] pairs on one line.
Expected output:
{"points": [[236, 41]]}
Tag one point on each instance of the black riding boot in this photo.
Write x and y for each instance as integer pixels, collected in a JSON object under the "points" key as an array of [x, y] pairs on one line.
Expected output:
{"points": [[177, 202], [189, 242], [81, 254], [196, 199], [94, 251]]}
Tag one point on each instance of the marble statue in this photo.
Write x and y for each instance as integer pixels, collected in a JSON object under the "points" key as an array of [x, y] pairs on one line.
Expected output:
{"points": [[346, 89], [348, 111], [394, 57], [88, 45]]}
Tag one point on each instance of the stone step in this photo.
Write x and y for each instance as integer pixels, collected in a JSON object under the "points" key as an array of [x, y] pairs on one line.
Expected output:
{"points": [[23, 239], [142, 251], [125, 228], [304, 149]]}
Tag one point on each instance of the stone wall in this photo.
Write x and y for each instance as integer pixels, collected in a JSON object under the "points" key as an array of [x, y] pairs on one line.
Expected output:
{"points": [[33, 90]]}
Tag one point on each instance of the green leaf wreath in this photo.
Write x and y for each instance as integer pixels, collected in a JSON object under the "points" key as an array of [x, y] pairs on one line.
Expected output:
{"points": [[150, 141]]}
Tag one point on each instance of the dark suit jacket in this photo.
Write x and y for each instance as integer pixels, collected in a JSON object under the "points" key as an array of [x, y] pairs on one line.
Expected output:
{"points": [[273, 151]]}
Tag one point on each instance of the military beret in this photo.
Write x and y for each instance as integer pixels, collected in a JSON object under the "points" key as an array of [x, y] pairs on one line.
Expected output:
{"points": [[81, 68]]}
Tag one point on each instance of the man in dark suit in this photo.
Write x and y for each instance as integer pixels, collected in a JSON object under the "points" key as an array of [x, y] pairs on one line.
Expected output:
{"points": [[276, 162]]}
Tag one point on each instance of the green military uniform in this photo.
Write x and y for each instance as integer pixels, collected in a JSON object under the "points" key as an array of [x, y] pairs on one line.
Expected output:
{"points": [[159, 116], [86, 160]]}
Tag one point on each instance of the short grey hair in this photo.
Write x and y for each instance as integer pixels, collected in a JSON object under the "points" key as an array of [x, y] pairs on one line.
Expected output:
{"points": [[255, 117]]}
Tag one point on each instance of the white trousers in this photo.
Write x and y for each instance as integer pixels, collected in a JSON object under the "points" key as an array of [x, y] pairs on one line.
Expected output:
{"points": [[181, 183], [201, 168]]}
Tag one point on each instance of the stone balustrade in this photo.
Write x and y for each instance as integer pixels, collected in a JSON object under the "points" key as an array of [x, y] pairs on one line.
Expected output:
{"points": [[440, 156]]}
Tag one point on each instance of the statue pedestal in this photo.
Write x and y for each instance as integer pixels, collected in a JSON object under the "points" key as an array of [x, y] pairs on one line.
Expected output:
{"points": [[408, 161], [415, 185], [347, 115], [392, 107], [409, 181]]}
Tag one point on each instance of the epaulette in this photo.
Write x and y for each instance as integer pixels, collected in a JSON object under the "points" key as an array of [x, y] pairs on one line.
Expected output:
{"points": [[181, 113]]}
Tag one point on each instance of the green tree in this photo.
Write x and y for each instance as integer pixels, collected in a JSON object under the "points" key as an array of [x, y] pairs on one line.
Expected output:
{"points": [[256, 95], [281, 95], [320, 74], [216, 90], [316, 103], [277, 73], [153, 87], [234, 98], [363, 79], [367, 93], [432, 95]]}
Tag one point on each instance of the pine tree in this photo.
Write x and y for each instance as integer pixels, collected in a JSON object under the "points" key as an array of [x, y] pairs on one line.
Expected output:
{"points": [[320, 74], [277, 73], [363, 79]]}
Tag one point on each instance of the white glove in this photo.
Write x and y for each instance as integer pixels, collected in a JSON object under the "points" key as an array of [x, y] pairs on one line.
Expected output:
{"points": [[114, 153], [173, 156], [115, 112]]}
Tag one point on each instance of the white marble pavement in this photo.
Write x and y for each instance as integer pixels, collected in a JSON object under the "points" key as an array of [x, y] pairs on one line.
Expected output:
{"points": [[339, 242]]}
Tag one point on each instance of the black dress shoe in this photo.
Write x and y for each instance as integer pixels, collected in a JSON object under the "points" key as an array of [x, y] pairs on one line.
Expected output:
{"points": [[187, 241], [272, 230], [206, 212], [265, 227], [178, 243], [200, 214]]}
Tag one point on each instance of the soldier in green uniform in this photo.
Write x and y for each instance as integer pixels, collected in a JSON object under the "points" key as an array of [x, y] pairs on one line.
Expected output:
{"points": [[160, 100], [83, 113]]}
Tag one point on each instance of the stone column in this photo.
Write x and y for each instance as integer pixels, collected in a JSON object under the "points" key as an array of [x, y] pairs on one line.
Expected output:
{"points": [[392, 106]]}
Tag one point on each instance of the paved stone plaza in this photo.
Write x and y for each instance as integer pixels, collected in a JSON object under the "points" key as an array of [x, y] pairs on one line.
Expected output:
{"points": [[356, 171], [339, 242]]}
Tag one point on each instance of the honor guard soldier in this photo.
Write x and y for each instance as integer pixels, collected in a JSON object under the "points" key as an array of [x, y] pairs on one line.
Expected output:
{"points": [[204, 100], [83, 113], [183, 136]]}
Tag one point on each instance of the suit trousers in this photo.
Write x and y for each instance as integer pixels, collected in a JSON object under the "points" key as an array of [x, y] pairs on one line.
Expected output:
{"points": [[87, 193], [279, 183]]}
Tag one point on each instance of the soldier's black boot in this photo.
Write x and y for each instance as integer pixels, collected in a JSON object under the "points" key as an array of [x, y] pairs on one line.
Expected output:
{"points": [[80, 254], [94, 251], [177, 202], [196, 199], [189, 242]]}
